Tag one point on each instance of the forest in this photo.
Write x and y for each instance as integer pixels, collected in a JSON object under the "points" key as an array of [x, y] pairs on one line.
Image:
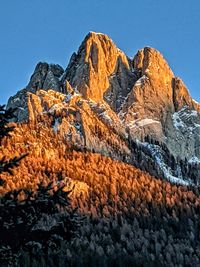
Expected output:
{"points": [[66, 207]]}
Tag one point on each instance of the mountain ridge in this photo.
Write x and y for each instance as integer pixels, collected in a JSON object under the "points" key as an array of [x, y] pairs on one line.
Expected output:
{"points": [[137, 102]]}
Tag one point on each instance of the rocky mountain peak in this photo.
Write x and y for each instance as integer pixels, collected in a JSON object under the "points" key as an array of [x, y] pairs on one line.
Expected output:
{"points": [[156, 73], [152, 94], [45, 76], [99, 70], [152, 63], [182, 96]]}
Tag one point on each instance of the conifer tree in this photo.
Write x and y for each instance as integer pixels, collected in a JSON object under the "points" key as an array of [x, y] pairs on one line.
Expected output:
{"points": [[5, 130]]}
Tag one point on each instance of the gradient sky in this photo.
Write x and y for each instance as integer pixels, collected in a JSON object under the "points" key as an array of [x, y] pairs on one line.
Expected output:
{"points": [[50, 30]]}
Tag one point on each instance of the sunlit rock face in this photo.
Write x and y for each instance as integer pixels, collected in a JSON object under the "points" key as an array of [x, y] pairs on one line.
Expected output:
{"points": [[104, 101], [100, 71], [152, 94], [151, 97], [79, 121], [182, 97]]}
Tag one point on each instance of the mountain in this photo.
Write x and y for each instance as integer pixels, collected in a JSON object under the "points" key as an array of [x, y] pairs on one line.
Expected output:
{"points": [[112, 172], [134, 110]]}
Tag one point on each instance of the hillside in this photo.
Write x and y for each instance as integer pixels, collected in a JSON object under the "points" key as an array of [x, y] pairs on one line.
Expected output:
{"points": [[129, 216]]}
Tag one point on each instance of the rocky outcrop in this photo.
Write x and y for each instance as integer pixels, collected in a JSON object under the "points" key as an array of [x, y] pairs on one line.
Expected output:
{"points": [[154, 86], [45, 76], [182, 97], [34, 107], [82, 123]]}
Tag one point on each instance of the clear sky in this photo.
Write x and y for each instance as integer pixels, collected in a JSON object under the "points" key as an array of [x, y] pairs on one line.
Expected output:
{"points": [[50, 30]]}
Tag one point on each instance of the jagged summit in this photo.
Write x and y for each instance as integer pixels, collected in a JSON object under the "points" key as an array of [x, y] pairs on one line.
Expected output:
{"points": [[100, 71], [93, 68], [97, 35], [45, 76], [152, 63]]}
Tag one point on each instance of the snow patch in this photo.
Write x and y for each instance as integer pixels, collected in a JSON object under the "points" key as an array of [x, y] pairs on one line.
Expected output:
{"points": [[195, 102], [194, 160], [16, 99], [177, 120], [147, 121], [181, 117], [55, 125], [154, 149], [105, 116], [197, 125], [194, 113], [141, 123], [55, 107], [141, 80], [68, 97], [77, 125]]}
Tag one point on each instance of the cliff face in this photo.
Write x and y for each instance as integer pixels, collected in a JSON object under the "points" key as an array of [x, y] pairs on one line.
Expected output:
{"points": [[101, 71], [160, 106], [108, 103], [154, 86]]}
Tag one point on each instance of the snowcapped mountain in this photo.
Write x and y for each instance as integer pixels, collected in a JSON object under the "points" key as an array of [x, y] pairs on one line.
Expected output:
{"points": [[135, 110]]}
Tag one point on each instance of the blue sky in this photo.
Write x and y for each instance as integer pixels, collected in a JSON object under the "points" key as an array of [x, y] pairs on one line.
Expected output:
{"points": [[50, 30]]}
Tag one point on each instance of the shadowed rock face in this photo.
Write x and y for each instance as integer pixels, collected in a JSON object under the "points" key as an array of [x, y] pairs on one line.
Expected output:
{"points": [[45, 76], [132, 99]]}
